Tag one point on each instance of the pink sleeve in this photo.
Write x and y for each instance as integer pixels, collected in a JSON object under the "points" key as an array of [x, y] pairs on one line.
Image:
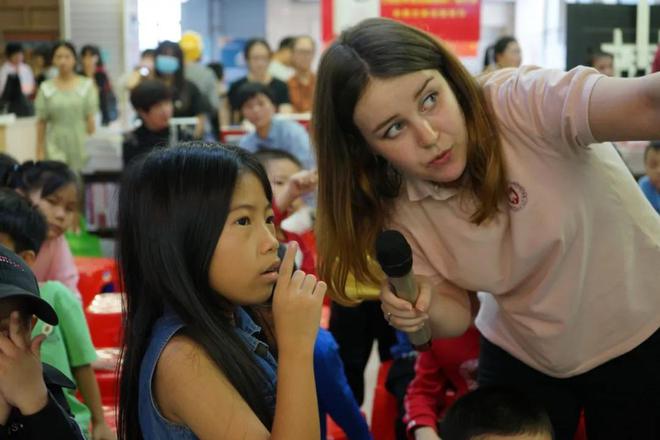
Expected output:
{"points": [[55, 263], [543, 108]]}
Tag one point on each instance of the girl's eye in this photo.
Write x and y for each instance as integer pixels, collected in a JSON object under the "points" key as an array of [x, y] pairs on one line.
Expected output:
{"points": [[394, 130], [270, 219], [243, 221], [429, 101]]}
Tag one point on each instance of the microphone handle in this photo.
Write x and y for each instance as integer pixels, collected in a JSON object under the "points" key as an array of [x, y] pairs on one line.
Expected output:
{"points": [[405, 288]]}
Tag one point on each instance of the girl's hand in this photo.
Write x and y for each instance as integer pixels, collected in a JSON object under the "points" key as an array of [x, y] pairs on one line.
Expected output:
{"points": [[401, 314], [21, 377], [297, 303]]}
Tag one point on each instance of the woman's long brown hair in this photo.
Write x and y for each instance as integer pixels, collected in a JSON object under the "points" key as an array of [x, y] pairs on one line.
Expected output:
{"points": [[356, 187]]}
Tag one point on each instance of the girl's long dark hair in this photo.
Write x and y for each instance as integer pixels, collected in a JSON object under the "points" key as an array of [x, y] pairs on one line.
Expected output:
{"points": [[172, 207]]}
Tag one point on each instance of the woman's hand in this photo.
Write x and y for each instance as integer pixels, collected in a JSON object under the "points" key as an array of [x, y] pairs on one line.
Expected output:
{"points": [[403, 315], [297, 303]]}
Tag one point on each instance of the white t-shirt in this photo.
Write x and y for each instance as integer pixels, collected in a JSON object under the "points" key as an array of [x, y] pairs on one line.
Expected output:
{"points": [[572, 262]]}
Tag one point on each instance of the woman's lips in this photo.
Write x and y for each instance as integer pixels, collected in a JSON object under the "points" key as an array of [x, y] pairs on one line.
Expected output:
{"points": [[442, 158]]}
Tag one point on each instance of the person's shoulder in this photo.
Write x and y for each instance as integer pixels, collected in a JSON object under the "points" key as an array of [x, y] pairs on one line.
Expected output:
{"points": [[54, 378], [182, 361], [48, 87], [55, 289], [236, 84], [325, 346], [277, 83], [85, 84]]}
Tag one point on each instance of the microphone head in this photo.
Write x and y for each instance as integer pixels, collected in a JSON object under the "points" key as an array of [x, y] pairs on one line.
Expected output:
{"points": [[393, 253]]}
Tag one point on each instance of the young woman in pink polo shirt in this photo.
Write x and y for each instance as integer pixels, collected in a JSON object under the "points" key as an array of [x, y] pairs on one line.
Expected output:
{"points": [[499, 185]]}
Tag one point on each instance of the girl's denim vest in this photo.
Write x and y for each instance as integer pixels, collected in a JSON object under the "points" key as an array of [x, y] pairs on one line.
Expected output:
{"points": [[152, 422]]}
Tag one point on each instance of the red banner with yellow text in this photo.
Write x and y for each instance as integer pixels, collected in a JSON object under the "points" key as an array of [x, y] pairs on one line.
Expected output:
{"points": [[455, 21]]}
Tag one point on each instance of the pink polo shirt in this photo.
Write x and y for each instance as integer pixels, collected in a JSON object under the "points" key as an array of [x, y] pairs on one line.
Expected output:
{"points": [[572, 261]]}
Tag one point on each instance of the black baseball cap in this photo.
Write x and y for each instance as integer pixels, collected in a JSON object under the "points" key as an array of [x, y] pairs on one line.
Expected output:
{"points": [[18, 281]]}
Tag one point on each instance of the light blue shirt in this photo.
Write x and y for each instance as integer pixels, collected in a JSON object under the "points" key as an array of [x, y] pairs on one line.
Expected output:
{"points": [[285, 135], [650, 192]]}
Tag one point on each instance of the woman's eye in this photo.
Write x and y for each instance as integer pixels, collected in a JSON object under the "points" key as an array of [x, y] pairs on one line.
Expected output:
{"points": [[243, 221], [429, 101], [394, 130]]}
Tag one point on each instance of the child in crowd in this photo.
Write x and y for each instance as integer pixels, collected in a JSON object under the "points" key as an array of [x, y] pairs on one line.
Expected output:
{"points": [[68, 346], [497, 413], [53, 188], [650, 183], [152, 101], [32, 405], [293, 219], [198, 255], [257, 105], [445, 372]]}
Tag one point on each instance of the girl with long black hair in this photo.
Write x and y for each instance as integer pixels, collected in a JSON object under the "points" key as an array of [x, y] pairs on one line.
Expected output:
{"points": [[198, 258]]}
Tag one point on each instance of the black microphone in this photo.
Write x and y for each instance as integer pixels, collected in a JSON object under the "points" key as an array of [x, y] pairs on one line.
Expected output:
{"points": [[395, 258]]}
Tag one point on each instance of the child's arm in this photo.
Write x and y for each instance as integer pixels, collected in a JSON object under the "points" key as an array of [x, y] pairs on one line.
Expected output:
{"points": [[333, 390], [614, 100], [425, 394], [89, 388], [301, 183]]}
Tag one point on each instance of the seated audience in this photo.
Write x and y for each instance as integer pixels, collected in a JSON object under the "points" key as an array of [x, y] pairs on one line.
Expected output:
{"points": [[258, 106], [301, 84], [258, 55], [152, 101]]}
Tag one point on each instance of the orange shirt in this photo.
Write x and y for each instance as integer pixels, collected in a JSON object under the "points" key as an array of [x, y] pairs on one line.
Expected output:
{"points": [[301, 95]]}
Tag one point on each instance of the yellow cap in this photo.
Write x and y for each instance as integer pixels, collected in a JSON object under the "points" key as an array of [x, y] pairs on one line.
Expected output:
{"points": [[191, 45]]}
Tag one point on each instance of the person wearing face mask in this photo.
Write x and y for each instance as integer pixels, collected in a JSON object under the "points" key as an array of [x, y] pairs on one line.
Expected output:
{"points": [[258, 56], [188, 101], [65, 107]]}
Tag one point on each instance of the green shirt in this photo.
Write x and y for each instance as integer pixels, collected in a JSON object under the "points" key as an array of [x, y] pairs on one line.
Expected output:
{"points": [[68, 344]]}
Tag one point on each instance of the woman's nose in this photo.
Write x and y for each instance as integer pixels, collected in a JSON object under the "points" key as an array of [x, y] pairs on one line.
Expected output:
{"points": [[426, 134]]}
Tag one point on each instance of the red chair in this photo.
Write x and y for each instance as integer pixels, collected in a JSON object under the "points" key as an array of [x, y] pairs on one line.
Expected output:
{"points": [[384, 412], [104, 318], [96, 275]]}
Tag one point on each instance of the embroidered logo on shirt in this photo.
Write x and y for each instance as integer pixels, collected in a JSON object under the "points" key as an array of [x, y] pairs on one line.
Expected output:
{"points": [[517, 196]]}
